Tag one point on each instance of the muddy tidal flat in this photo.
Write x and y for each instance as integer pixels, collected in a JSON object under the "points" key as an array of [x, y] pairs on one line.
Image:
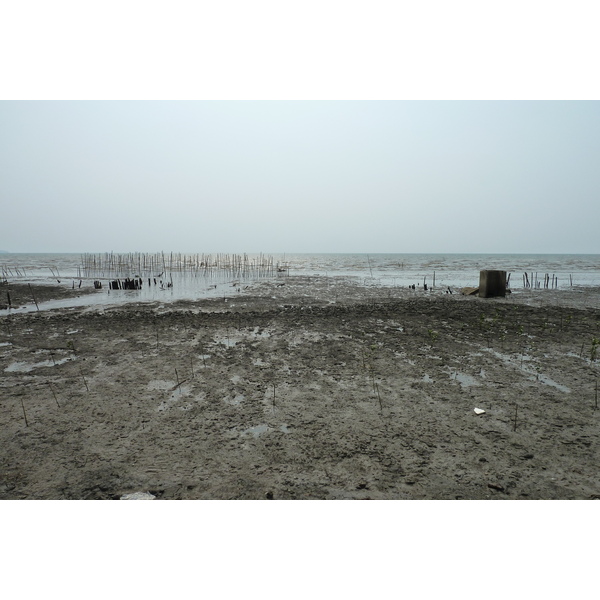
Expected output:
{"points": [[305, 388]]}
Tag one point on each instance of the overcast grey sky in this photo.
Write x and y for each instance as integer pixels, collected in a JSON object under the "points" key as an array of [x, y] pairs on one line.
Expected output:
{"points": [[306, 176]]}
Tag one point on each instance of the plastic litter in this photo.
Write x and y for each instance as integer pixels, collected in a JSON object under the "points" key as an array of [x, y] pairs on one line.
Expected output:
{"points": [[138, 496], [479, 411]]}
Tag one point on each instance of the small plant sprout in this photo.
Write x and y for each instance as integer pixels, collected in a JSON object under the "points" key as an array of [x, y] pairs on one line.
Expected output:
{"points": [[84, 381]]}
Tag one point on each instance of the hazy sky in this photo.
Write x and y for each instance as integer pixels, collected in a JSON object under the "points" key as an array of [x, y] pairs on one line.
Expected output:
{"points": [[307, 176]]}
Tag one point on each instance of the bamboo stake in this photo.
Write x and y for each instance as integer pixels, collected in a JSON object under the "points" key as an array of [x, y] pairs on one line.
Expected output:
{"points": [[24, 414], [36, 304], [55, 398]]}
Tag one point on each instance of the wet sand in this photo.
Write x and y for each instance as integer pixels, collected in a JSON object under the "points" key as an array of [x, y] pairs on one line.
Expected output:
{"points": [[305, 388]]}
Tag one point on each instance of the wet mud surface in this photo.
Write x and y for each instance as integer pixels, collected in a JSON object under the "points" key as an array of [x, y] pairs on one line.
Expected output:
{"points": [[20, 295], [314, 388]]}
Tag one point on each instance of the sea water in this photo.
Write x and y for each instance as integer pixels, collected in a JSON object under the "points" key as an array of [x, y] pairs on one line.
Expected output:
{"points": [[398, 270], [456, 270]]}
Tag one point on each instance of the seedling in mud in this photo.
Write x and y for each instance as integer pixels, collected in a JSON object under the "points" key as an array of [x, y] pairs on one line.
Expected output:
{"points": [[380, 403], [433, 335], [371, 355], [84, 381], [594, 349]]}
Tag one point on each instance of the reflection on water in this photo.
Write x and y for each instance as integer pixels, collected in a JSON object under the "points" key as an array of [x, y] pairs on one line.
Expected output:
{"points": [[182, 290]]}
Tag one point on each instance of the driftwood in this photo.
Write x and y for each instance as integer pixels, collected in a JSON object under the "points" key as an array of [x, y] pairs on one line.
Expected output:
{"points": [[469, 291]]}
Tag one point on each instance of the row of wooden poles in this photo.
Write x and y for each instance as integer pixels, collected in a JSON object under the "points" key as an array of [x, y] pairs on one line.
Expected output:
{"points": [[6, 271], [548, 283], [139, 264], [21, 272]]}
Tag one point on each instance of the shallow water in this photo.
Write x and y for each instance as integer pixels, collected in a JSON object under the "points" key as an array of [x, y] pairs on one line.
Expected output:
{"points": [[24, 367], [455, 270], [396, 270], [256, 430], [107, 298], [464, 379]]}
